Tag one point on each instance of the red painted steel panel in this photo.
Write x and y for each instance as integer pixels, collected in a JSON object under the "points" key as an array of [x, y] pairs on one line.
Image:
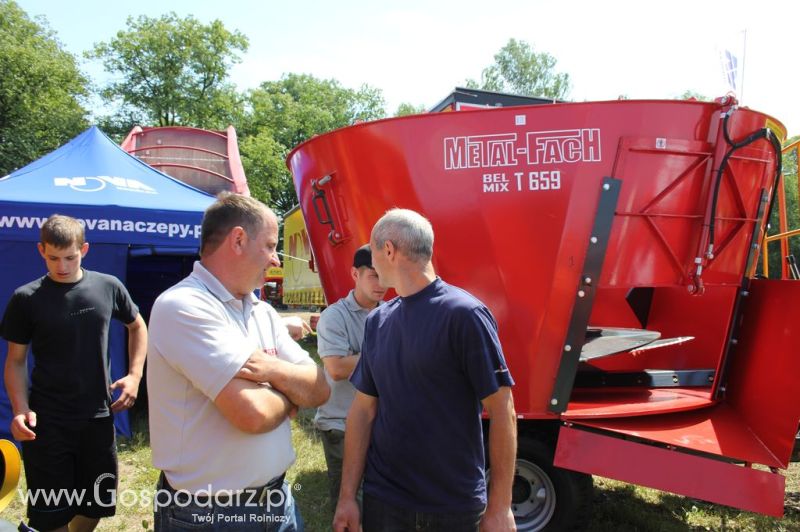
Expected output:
{"points": [[674, 312], [664, 209], [235, 162], [205, 159], [673, 471], [718, 430], [620, 402], [765, 365]]}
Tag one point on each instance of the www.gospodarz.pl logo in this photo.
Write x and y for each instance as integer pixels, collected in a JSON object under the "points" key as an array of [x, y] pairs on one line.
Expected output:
{"points": [[104, 494]]}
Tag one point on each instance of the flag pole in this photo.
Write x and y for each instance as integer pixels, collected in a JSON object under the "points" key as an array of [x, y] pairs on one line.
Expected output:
{"points": [[744, 59]]}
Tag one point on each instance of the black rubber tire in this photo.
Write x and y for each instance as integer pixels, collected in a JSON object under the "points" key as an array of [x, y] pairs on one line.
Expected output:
{"points": [[547, 498]]}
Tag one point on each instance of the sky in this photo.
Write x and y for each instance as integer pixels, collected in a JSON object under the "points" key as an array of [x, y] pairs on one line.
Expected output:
{"points": [[418, 51]]}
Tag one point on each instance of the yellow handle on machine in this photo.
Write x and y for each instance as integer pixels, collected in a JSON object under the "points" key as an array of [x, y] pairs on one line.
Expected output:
{"points": [[12, 461]]}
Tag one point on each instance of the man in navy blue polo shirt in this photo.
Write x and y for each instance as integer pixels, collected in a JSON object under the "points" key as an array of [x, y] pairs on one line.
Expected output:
{"points": [[431, 361]]}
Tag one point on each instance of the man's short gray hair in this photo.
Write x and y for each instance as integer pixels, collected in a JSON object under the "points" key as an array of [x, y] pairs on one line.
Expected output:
{"points": [[410, 232]]}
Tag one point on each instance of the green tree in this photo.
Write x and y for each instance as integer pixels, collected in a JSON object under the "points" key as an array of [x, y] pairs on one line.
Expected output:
{"points": [[790, 186], [41, 90], [405, 109], [689, 94], [282, 114], [263, 160], [118, 125], [519, 69], [172, 71]]}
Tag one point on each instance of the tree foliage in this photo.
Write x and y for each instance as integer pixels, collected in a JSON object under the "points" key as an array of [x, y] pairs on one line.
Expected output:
{"points": [[172, 71], [405, 109], [41, 90], [519, 69], [267, 176], [694, 95], [790, 186], [282, 114]]}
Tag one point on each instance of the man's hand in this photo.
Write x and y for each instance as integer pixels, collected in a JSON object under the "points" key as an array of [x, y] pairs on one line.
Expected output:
{"points": [[129, 385], [303, 384], [501, 520], [347, 518], [298, 327], [259, 366], [21, 426]]}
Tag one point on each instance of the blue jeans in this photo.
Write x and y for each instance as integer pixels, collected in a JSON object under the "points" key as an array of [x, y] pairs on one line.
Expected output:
{"points": [[276, 514], [381, 517]]}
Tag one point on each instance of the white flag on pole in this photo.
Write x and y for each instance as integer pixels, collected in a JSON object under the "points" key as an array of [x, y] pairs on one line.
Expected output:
{"points": [[730, 69], [732, 56]]}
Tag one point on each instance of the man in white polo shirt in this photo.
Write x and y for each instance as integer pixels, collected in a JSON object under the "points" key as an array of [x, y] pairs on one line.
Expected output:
{"points": [[224, 377]]}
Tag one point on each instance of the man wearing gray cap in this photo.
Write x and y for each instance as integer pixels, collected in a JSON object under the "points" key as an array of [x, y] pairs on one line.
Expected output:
{"points": [[340, 332]]}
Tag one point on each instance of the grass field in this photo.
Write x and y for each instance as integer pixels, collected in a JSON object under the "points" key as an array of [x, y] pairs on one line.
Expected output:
{"points": [[616, 506]]}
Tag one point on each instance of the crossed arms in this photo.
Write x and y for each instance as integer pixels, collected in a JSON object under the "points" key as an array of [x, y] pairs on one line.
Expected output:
{"points": [[252, 406]]}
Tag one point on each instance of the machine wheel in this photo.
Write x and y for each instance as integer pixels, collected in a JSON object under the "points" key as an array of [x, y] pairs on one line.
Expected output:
{"points": [[545, 497]]}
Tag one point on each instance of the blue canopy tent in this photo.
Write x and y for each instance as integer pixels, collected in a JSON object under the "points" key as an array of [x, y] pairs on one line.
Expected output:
{"points": [[127, 208]]}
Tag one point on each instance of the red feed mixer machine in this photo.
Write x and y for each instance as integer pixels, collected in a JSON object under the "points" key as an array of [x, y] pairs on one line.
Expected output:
{"points": [[616, 244]]}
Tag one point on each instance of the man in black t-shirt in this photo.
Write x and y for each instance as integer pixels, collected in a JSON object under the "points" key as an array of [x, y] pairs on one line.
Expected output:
{"points": [[64, 420]]}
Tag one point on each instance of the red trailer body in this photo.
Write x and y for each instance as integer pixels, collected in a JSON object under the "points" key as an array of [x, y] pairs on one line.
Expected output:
{"points": [[579, 224], [205, 159]]}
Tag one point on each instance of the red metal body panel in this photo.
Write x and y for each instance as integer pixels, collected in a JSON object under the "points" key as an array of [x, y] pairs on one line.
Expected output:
{"points": [[235, 162], [208, 160], [765, 365], [674, 312], [756, 422], [626, 402], [693, 476], [513, 194], [720, 431]]}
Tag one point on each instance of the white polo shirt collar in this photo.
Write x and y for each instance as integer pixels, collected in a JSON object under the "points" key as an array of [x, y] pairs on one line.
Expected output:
{"points": [[218, 290]]}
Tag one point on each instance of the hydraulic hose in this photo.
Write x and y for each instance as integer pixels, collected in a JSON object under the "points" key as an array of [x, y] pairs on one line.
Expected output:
{"points": [[764, 133]]}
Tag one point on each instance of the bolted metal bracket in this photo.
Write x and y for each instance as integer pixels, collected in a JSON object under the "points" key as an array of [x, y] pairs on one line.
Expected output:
{"points": [[744, 291], [584, 298]]}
